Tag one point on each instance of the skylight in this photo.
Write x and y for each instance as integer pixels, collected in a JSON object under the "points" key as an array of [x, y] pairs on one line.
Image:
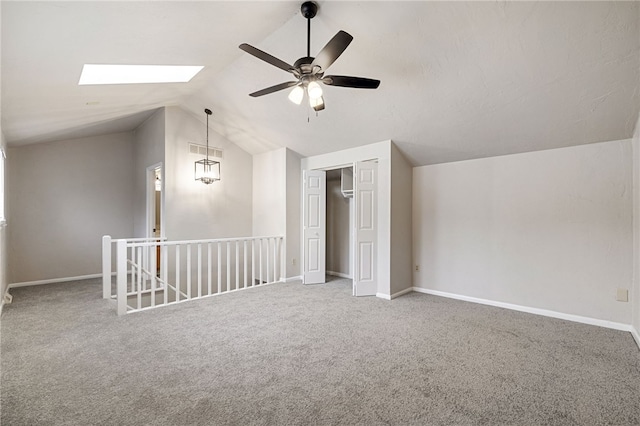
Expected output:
{"points": [[132, 74]]}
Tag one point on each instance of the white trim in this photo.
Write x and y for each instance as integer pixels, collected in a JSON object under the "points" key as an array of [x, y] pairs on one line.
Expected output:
{"points": [[338, 274], [530, 310], [54, 280], [291, 279], [6, 291], [636, 336], [402, 292], [394, 295]]}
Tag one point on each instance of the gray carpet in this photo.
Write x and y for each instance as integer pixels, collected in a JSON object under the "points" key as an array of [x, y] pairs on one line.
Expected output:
{"points": [[297, 355]]}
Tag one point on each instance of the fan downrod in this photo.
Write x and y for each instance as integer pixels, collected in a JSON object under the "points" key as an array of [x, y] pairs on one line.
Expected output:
{"points": [[309, 9]]}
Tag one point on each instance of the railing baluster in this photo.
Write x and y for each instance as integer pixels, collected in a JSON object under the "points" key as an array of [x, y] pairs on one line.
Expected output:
{"points": [[260, 242], [283, 264], [121, 276], [228, 253], [188, 271], [177, 273], [244, 257], [275, 262], [153, 286], [253, 263], [106, 266], [237, 265], [219, 268], [139, 281], [199, 270], [268, 259], [164, 274], [208, 268]]}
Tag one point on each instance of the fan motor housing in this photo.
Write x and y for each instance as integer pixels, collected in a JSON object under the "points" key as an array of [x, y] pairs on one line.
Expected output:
{"points": [[309, 9]]}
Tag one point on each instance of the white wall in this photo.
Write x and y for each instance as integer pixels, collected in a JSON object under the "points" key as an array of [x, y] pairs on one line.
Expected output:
{"points": [[194, 210], [62, 197], [3, 229], [269, 193], [338, 229], [635, 293], [148, 149], [276, 202], [294, 215], [549, 229]]}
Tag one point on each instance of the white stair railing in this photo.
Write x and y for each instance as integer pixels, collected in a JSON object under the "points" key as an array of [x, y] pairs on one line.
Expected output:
{"points": [[107, 244], [192, 269]]}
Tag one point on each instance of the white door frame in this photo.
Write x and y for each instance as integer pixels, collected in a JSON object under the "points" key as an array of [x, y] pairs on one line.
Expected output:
{"points": [[353, 222], [150, 197], [149, 257]]}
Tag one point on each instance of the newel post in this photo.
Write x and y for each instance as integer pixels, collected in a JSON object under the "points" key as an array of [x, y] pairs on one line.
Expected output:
{"points": [[121, 274], [106, 266]]}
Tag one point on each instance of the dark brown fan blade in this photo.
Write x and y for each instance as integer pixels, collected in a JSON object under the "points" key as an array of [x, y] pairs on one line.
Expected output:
{"points": [[355, 82], [266, 57], [332, 50], [272, 89]]}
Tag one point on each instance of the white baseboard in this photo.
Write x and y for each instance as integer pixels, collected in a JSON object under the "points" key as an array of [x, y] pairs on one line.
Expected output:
{"points": [[338, 274], [54, 280], [2, 303], [530, 310], [636, 336], [291, 279], [394, 295], [402, 292]]}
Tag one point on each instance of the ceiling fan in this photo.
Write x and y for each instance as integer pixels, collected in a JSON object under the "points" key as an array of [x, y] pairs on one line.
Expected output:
{"points": [[309, 71]]}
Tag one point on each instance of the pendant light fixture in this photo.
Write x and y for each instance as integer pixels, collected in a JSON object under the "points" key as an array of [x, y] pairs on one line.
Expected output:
{"points": [[207, 171]]}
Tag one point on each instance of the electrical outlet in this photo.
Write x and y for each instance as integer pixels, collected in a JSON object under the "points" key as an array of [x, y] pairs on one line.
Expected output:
{"points": [[293, 261], [622, 295], [417, 267]]}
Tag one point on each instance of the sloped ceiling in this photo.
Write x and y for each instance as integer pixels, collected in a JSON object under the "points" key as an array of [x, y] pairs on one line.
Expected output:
{"points": [[460, 80]]}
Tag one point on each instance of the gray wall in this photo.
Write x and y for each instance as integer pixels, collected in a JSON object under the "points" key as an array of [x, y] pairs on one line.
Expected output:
{"points": [[194, 210], [635, 293], [338, 229], [148, 149], [401, 230], [294, 213], [3, 230], [549, 230], [63, 196]]}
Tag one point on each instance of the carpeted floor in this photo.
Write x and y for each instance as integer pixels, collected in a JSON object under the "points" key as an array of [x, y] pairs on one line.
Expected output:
{"points": [[289, 354]]}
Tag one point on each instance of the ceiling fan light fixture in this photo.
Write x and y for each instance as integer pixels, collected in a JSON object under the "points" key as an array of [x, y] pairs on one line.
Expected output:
{"points": [[314, 90], [296, 95]]}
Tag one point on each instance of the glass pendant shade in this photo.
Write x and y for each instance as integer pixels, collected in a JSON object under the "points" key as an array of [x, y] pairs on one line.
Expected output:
{"points": [[317, 104], [296, 95], [314, 90], [207, 171]]}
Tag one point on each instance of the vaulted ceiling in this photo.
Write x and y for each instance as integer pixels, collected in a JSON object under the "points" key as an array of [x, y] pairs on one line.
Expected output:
{"points": [[460, 80]]}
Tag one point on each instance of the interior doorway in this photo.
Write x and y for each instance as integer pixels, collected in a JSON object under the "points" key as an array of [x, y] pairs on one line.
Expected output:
{"points": [[339, 217], [358, 182], [155, 207]]}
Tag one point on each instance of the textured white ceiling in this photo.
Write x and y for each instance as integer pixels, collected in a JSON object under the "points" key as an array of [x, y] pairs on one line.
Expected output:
{"points": [[460, 80]]}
